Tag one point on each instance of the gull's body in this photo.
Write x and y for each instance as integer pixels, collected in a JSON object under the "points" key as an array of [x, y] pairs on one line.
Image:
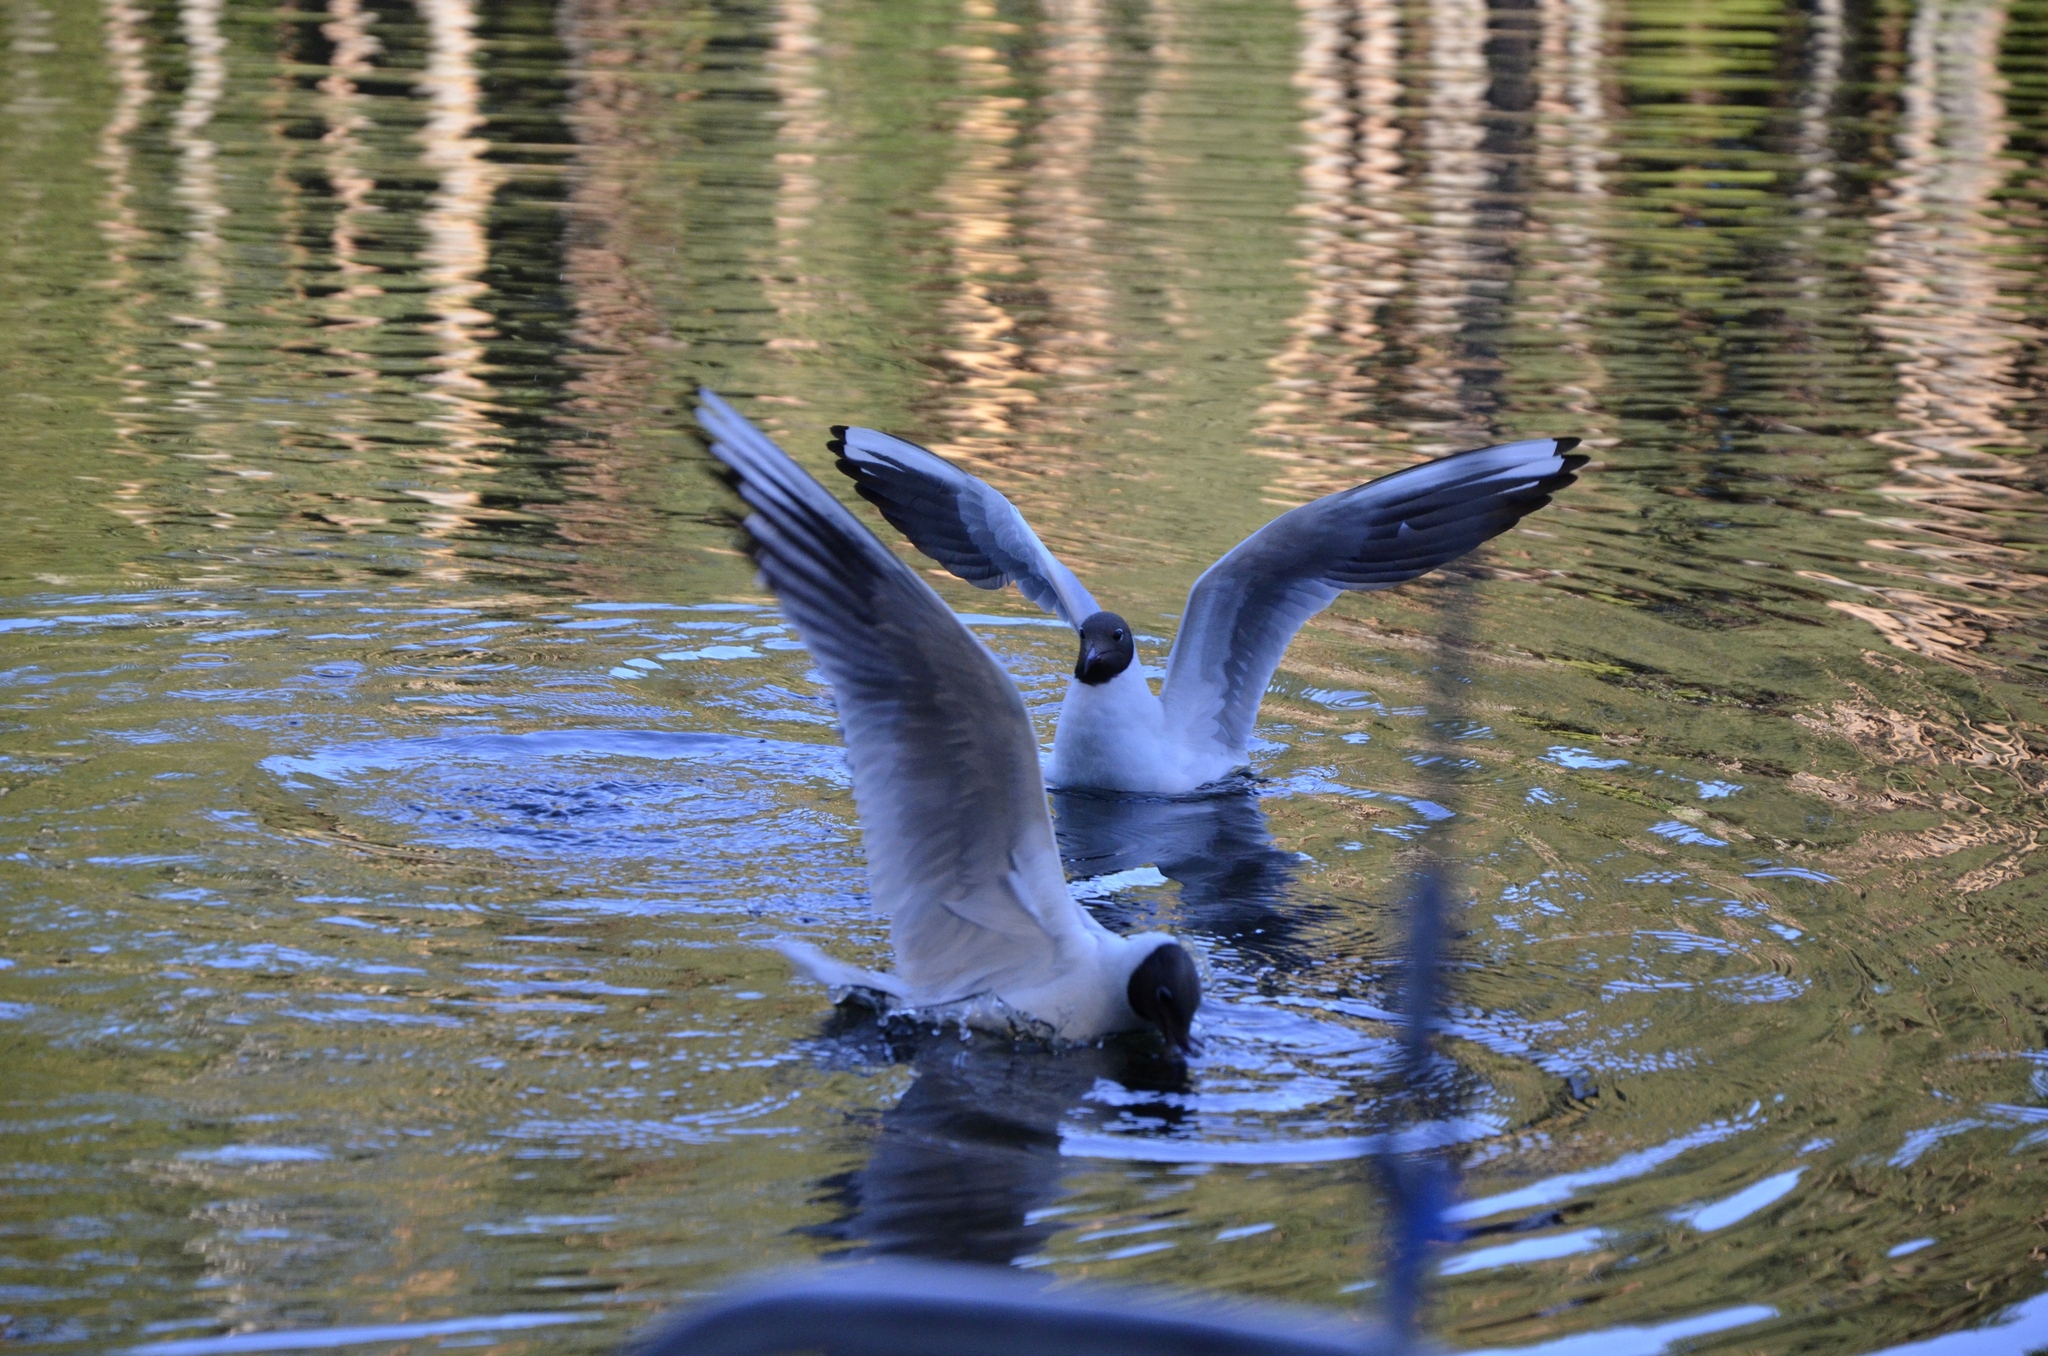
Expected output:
{"points": [[1113, 735], [1114, 732], [945, 770]]}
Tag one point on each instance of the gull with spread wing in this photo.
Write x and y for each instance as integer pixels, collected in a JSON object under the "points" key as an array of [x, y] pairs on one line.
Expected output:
{"points": [[952, 807], [1114, 733]]}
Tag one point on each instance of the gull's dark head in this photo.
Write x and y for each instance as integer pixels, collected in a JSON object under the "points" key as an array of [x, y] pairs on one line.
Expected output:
{"points": [[1106, 648], [1165, 990]]}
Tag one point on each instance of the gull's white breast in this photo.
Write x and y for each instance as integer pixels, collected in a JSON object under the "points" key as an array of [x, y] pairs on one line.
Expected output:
{"points": [[1114, 736]]}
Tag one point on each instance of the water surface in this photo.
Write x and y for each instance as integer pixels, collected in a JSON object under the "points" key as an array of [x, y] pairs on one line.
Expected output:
{"points": [[402, 772]]}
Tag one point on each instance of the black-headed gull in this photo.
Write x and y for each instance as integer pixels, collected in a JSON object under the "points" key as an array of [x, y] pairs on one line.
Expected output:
{"points": [[1114, 733], [959, 844]]}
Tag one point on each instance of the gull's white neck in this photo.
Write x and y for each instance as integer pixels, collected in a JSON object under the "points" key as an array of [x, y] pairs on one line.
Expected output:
{"points": [[1088, 998]]}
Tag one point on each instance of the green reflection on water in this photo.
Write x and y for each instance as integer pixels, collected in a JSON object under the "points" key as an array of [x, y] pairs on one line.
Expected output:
{"points": [[348, 360]]}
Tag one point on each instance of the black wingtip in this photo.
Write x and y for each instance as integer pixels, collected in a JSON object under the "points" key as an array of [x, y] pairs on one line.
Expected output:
{"points": [[1572, 461], [732, 517]]}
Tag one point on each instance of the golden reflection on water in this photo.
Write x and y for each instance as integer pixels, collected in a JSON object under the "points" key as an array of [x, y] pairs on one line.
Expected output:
{"points": [[1452, 274], [1822, 87], [199, 161], [351, 310], [1566, 238], [793, 65], [348, 117], [456, 252], [1356, 241], [1167, 90], [1065, 220], [124, 47], [198, 191], [619, 336], [989, 381], [1405, 244], [121, 226], [1938, 263]]}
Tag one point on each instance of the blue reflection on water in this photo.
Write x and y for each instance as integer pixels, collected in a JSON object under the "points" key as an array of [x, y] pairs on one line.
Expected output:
{"points": [[320, 1339]]}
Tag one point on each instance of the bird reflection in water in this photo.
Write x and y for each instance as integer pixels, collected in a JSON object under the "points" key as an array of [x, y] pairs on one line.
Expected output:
{"points": [[969, 1159], [1234, 883]]}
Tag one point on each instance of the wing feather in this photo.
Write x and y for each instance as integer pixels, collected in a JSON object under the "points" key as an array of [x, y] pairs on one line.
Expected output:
{"points": [[958, 520], [1244, 610], [945, 764]]}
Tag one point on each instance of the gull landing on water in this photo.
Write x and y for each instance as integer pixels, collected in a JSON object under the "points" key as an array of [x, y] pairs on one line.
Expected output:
{"points": [[1114, 733], [945, 774]]}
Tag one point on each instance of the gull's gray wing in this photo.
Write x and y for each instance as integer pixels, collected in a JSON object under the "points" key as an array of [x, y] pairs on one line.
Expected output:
{"points": [[958, 521], [1245, 608], [945, 764]]}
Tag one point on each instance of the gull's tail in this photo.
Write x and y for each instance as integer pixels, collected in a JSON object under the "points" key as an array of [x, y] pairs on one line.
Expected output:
{"points": [[872, 987]]}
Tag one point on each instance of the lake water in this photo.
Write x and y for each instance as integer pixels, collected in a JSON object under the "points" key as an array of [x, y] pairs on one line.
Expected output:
{"points": [[402, 772]]}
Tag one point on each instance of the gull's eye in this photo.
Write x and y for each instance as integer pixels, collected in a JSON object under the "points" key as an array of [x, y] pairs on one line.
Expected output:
{"points": [[1118, 636]]}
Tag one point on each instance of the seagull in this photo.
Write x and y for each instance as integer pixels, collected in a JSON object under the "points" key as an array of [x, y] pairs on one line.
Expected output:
{"points": [[960, 847], [1114, 733]]}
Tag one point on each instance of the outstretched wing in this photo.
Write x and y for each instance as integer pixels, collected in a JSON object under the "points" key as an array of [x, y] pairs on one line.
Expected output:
{"points": [[1245, 608], [945, 765], [958, 520]]}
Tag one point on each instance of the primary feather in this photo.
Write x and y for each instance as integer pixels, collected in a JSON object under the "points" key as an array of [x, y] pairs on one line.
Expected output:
{"points": [[958, 520]]}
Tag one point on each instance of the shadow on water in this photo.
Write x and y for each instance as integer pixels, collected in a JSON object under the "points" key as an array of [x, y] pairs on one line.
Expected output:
{"points": [[966, 1167], [1235, 884]]}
